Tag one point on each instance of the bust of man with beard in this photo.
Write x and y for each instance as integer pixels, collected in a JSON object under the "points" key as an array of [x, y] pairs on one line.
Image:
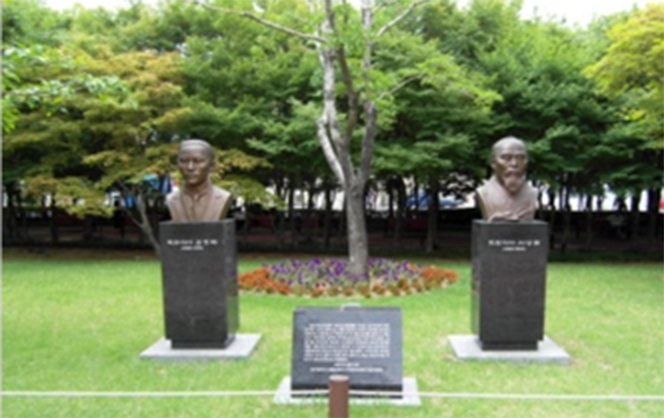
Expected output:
{"points": [[198, 200], [507, 196]]}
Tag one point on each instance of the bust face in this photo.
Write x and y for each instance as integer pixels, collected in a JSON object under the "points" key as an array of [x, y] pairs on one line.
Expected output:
{"points": [[195, 164], [509, 164]]}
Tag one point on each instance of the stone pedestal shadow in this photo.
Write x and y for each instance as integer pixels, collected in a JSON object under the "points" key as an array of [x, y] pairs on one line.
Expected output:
{"points": [[200, 288]]}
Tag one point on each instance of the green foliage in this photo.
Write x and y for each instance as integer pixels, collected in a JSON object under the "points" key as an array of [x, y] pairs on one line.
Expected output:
{"points": [[632, 67], [72, 194], [536, 67], [442, 113], [27, 22], [94, 142], [39, 70], [27, 82], [95, 100]]}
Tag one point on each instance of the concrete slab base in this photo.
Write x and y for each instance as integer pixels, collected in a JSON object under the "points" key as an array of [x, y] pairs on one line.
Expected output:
{"points": [[240, 349], [467, 347], [411, 397]]}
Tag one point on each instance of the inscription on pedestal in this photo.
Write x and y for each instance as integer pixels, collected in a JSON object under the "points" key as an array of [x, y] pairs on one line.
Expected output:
{"points": [[337, 344], [362, 343], [512, 245]]}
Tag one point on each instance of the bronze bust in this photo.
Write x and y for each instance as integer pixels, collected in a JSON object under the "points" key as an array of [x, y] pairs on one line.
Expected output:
{"points": [[198, 200], [507, 196]]}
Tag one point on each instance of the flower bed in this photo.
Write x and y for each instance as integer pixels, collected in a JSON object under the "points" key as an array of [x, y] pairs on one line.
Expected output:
{"points": [[331, 277]]}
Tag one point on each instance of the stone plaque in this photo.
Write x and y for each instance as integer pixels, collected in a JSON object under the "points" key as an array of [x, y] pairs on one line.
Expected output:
{"points": [[509, 283], [199, 277], [362, 343]]}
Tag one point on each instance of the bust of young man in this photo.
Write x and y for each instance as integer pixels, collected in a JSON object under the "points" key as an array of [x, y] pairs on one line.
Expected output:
{"points": [[198, 200], [507, 196]]}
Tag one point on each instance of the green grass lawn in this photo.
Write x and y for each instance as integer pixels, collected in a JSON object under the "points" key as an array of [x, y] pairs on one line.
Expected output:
{"points": [[73, 325]]}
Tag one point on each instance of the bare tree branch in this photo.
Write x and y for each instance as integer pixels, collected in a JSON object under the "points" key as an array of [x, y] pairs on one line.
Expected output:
{"points": [[399, 18], [260, 20], [370, 112], [328, 150], [398, 86], [352, 96], [367, 141], [142, 220], [346, 76], [328, 132]]}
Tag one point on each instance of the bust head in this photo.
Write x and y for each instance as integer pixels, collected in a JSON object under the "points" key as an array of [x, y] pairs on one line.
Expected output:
{"points": [[195, 162], [509, 161], [507, 196], [198, 200]]}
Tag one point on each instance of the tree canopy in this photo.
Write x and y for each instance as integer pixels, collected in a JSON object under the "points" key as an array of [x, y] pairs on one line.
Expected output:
{"points": [[95, 100]]}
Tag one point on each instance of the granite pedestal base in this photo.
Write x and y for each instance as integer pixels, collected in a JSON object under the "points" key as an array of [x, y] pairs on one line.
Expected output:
{"points": [[199, 277], [467, 347], [509, 283], [240, 349], [411, 396]]}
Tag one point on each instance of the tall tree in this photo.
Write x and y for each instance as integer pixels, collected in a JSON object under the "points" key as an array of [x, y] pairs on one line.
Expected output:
{"points": [[345, 41], [632, 66], [630, 71], [441, 118], [39, 74]]}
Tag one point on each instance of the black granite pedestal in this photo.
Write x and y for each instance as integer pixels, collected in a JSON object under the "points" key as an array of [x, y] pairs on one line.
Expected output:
{"points": [[199, 277], [364, 344], [509, 284]]}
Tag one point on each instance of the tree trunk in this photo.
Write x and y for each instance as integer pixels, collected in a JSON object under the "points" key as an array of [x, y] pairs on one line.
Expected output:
{"points": [[279, 218], [566, 219], [341, 230], [311, 224], [358, 248], [291, 211], [145, 225], [416, 195], [552, 218], [654, 197], [88, 227], [390, 194], [432, 223], [247, 224], [389, 189], [635, 217], [336, 145], [53, 226], [10, 219], [401, 208], [22, 216], [142, 220], [589, 222], [328, 216]]}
